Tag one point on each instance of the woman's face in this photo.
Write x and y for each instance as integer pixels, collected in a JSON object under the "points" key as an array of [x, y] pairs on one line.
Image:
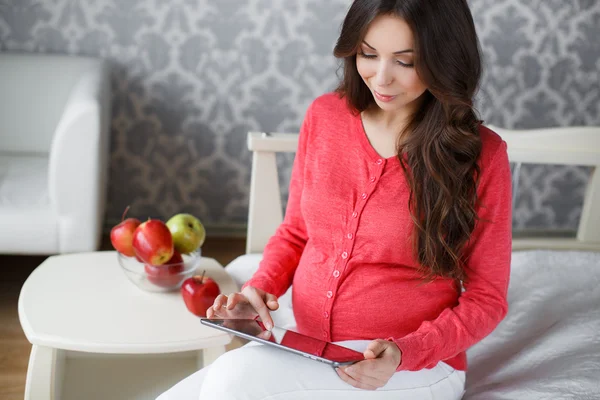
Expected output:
{"points": [[385, 61]]}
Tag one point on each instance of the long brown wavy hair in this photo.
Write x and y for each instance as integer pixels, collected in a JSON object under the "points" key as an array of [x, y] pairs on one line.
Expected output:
{"points": [[442, 142]]}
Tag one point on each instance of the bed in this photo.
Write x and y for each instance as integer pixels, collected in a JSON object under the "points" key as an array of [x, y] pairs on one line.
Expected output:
{"points": [[548, 346]]}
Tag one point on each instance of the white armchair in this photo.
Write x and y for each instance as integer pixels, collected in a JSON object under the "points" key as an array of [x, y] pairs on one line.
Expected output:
{"points": [[54, 142]]}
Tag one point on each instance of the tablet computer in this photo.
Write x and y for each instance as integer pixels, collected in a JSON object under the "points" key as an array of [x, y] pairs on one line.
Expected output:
{"points": [[287, 340]]}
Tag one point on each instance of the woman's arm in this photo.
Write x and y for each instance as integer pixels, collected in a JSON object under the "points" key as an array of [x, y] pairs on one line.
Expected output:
{"points": [[483, 303], [283, 250]]}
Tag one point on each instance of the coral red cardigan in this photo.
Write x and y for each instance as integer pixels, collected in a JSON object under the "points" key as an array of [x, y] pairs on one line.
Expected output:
{"points": [[344, 245]]}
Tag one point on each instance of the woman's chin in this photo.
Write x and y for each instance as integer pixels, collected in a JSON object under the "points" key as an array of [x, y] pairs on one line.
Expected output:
{"points": [[388, 105]]}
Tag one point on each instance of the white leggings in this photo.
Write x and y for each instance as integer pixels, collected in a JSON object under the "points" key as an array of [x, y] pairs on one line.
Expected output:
{"points": [[259, 372]]}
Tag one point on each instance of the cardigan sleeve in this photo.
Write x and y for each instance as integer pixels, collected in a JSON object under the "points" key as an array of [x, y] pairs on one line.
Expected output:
{"points": [[483, 303], [284, 249]]}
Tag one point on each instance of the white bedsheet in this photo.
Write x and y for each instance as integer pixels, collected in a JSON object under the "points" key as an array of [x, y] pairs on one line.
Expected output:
{"points": [[548, 346]]}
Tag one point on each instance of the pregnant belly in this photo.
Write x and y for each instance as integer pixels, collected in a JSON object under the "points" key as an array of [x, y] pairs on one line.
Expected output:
{"points": [[366, 306]]}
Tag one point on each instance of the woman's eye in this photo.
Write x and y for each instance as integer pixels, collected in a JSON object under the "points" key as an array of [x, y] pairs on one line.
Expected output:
{"points": [[372, 56], [362, 54], [404, 64]]}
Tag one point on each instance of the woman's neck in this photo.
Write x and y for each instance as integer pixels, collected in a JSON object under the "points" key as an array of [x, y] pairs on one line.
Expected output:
{"points": [[388, 121], [396, 120]]}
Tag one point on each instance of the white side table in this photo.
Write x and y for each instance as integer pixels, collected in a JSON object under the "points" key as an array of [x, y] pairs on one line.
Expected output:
{"points": [[96, 335]]}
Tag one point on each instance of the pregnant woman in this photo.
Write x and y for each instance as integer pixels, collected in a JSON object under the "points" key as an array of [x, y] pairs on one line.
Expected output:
{"points": [[397, 232]]}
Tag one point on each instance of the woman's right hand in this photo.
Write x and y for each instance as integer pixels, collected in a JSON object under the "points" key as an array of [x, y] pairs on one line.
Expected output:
{"points": [[248, 303]]}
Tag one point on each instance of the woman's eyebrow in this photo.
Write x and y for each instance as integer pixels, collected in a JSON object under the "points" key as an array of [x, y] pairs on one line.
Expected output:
{"points": [[397, 52]]}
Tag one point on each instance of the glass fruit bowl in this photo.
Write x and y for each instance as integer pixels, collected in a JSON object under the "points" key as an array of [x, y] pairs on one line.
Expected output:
{"points": [[161, 278]]}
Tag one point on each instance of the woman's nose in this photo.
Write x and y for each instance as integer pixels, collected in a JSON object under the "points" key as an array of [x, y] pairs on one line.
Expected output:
{"points": [[384, 76]]}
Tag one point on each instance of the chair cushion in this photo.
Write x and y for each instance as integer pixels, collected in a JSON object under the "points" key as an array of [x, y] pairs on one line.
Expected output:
{"points": [[241, 270], [25, 210], [24, 182], [32, 231]]}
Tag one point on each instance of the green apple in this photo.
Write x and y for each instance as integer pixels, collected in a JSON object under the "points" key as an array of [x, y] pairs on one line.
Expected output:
{"points": [[187, 231]]}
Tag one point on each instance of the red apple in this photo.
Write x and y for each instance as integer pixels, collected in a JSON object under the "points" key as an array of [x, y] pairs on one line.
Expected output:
{"points": [[152, 242], [121, 235], [168, 274], [199, 292]]}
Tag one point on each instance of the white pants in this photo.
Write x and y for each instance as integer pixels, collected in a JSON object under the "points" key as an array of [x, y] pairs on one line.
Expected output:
{"points": [[259, 372]]}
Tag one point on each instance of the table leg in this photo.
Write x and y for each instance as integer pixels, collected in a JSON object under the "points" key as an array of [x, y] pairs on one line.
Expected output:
{"points": [[207, 356], [43, 380]]}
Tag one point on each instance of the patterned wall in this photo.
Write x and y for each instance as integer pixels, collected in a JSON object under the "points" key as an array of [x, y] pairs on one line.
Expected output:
{"points": [[191, 77]]}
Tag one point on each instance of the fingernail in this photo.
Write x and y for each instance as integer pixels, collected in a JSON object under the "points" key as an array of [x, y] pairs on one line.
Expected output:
{"points": [[269, 326]]}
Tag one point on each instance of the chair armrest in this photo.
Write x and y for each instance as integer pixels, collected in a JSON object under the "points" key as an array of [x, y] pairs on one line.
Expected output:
{"points": [[264, 209], [79, 160]]}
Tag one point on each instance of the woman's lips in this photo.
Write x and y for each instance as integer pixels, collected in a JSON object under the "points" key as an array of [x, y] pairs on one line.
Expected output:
{"points": [[383, 97]]}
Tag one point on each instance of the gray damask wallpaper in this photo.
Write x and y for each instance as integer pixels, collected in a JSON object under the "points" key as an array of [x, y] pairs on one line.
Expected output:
{"points": [[191, 77]]}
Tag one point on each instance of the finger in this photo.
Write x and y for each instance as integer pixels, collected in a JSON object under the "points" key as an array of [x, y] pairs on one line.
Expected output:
{"points": [[212, 314], [370, 369], [219, 301], [351, 381], [233, 300], [259, 306], [375, 349], [271, 301], [369, 375]]}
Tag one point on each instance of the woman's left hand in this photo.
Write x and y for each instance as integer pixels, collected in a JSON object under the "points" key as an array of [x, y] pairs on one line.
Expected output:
{"points": [[382, 357]]}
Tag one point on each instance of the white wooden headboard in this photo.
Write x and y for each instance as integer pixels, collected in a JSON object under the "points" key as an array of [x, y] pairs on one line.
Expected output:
{"points": [[558, 146]]}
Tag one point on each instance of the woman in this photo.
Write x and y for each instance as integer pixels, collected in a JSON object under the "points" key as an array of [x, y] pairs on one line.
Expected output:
{"points": [[397, 233]]}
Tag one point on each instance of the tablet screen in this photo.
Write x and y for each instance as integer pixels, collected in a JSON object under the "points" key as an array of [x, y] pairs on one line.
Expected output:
{"points": [[291, 340]]}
